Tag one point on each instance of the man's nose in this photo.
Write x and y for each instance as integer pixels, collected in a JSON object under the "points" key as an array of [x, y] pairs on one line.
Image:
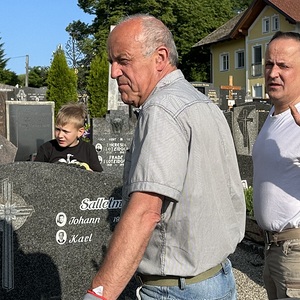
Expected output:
{"points": [[274, 72], [115, 70]]}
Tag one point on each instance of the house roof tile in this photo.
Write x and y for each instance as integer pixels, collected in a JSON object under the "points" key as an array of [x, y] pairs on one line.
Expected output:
{"points": [[239, 25], [289, 8]]}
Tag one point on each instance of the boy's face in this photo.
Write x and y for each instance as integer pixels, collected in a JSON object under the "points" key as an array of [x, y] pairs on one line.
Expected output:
{"points": [[67, 135]]}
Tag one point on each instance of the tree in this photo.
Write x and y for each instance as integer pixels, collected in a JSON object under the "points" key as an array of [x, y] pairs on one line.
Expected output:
{"points": [[189, 21], [62, 81], [6, 76], [37, 76], [9, 77], [98, 86], [3, 61]]}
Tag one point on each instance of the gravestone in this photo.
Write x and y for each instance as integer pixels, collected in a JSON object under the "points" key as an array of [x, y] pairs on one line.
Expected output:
{"points": [[245, 122], [231, 95], [27, 94], [2, 114], [111, 137], [231, 98], [56, 222], [7, 151], [209, 90], [29, 125]]}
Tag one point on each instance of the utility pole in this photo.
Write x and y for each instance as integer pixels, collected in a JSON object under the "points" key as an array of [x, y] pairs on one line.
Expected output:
{"points": [[27, 70]]}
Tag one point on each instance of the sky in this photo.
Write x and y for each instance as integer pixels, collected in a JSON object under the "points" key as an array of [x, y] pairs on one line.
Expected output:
{"points": [[36, 28]]}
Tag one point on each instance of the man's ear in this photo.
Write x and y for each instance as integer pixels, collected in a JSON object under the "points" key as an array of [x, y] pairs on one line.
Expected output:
{"points": [[80, 132], [162, 58]]}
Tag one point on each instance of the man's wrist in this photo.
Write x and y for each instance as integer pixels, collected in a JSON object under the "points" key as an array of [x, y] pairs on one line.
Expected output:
{"points": [[95, 293]]}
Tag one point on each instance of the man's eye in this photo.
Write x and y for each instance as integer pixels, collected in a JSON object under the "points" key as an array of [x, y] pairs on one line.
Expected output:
{"points": [[123, 61]]}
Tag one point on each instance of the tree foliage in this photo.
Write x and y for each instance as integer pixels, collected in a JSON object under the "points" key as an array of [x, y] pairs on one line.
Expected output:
{"points": [[62, 81], [3, 60], [6, 76], [9, 77], [98, 86], [189, 22], [37, 76]]}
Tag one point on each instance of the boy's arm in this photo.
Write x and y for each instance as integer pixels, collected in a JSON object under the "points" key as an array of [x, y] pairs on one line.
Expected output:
{"points": [[41, 154]]}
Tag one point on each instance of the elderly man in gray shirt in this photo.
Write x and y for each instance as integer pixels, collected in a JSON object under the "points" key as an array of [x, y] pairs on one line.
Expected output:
{"points": [[184, 208]]}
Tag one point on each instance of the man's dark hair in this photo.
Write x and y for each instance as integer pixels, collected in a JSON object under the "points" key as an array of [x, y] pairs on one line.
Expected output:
{"points": [[286, 35]]}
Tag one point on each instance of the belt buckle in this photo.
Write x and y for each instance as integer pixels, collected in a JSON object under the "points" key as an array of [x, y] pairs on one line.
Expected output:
{"points": [[139, 279]]}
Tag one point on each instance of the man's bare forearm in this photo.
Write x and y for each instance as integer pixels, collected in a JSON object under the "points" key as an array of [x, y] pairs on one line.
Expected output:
{"points": [[128, 244]]}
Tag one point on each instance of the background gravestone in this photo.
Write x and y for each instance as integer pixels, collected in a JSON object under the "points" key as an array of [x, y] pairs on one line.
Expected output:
{"points": [[245, 122], [29, 125], [28, 94], [209, 90], [111, 137], [238, 96], [2, 114], [7, 151], [55, 225]]}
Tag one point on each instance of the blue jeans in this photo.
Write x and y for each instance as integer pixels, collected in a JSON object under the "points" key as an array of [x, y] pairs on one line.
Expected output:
{"points": [[219, 287]]}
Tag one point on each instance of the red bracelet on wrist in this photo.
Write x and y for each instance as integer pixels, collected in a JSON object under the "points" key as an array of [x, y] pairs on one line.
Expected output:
{"points": [[96, 295]]}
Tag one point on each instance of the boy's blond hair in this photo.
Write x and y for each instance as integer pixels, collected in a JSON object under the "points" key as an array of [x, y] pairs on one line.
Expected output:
{"points": [[74, 113]]}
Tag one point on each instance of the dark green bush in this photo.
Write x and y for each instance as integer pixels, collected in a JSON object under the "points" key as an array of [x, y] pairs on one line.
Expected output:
{"points": [[249, 201]]}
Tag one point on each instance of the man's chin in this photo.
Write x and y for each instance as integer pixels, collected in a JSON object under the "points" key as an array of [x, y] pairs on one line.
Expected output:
{"points": [[127, 100]]}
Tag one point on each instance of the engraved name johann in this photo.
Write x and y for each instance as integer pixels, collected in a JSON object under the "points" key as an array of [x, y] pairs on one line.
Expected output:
{"points": [[90, 205]]}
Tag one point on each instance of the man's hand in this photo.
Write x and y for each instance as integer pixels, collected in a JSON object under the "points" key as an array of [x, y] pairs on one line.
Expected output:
{"points": [[295, 114]]}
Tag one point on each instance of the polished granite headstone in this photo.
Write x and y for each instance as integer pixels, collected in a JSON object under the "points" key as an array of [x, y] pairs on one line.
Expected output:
{"points": [[29, 124], [55, 225], [112, 137], [7, 151]]}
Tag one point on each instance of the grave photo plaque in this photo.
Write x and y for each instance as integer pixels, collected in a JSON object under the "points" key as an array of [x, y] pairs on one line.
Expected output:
{"points": [[55, 225], [29, 125]]}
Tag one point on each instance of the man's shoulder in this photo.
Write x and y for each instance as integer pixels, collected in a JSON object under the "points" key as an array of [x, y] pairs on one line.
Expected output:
{"points": [[175, 95]]}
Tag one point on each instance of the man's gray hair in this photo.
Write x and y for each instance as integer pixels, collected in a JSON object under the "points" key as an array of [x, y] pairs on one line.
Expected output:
{"points": [[153, 35]]}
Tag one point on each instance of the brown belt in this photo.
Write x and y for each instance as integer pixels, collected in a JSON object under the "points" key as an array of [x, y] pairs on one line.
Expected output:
{"points": [[285, 235], [175, 280]]}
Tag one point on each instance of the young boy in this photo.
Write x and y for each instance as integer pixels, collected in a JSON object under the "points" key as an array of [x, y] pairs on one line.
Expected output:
{"points": [[67, 147]]}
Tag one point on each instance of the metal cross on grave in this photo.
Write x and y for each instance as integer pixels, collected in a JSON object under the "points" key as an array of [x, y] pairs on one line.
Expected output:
{"points": [[11, 209]]}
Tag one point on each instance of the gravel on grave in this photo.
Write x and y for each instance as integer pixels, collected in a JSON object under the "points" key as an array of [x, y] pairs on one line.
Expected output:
{"points": [[247, 262]]}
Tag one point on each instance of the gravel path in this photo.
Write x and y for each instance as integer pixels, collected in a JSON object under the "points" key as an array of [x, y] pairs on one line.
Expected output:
{"points": [[247, 262]]}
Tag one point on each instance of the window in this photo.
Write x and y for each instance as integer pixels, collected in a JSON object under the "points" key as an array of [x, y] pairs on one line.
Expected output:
{"points": [[275, 23], [257, 60], [240, 59], [257, 91], [266, 25], [224, 62]]}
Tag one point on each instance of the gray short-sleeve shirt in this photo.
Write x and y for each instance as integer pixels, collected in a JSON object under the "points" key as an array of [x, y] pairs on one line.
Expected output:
{"points": [[183, 149]]}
